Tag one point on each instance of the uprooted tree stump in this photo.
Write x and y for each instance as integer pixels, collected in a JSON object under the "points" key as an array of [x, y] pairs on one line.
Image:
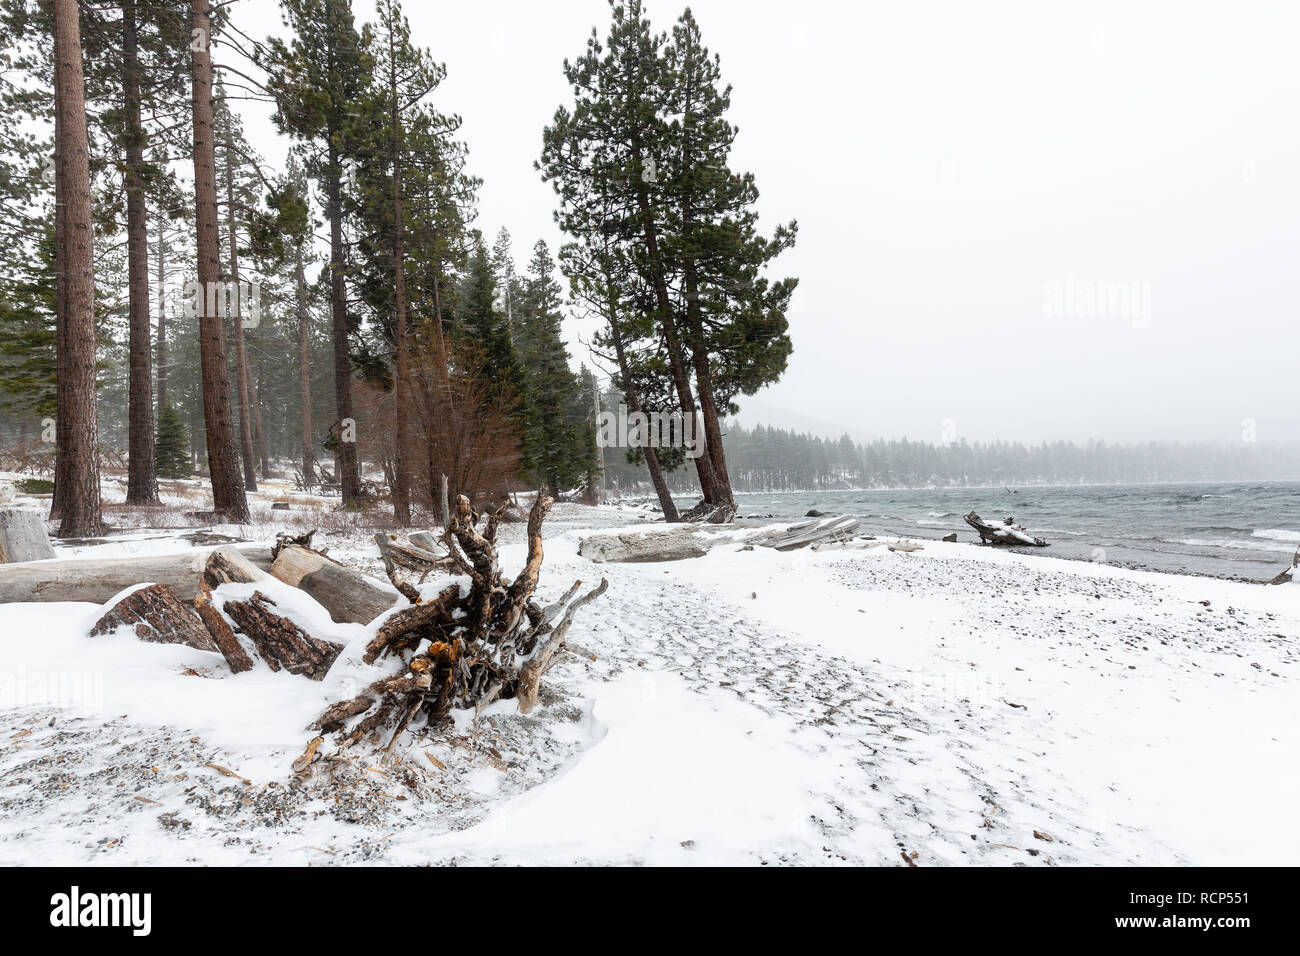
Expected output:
{"points": [[491, 643], [1008, 532]]}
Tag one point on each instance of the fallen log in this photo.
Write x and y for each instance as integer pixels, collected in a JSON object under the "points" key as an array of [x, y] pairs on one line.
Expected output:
{"points": [[23, 537], [839, 529], [158, 616], [280, 642], [635, 547], [1006, 533], [98, 579], [350, 597], [226, 565]]}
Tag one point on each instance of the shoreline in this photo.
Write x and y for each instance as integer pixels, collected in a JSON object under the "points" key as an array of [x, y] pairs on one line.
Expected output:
{"points": [[743, 707]]}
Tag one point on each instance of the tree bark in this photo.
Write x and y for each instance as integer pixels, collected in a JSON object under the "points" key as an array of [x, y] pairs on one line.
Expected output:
{"points": [[156, 615], [61, 480], [279, 641], [235, 304], [346, 451], [304, 366], [142, 480], [162, 313], [81, 516], [227, 490], [666, 503], [402, 464], [704, 385], [263, 457]]}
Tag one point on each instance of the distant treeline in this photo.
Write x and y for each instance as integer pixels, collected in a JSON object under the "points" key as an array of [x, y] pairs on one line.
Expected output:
{"points": [[773, 459]]}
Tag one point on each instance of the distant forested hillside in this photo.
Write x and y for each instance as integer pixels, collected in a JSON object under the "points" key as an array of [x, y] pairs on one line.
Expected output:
{"points": [[773, 459]]}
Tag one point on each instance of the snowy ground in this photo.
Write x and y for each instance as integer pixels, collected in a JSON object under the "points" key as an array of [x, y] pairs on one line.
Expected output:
{"points": [[743, 707]]}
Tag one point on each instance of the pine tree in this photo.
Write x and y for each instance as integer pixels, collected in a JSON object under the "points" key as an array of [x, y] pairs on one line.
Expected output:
{"points": [[484, 336], [605, 159], [557, 450], [735, 323], [171, 448], [317, 79]]}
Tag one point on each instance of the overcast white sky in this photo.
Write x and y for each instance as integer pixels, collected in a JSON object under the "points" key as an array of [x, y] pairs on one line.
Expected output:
{"points": [[951, 166]]}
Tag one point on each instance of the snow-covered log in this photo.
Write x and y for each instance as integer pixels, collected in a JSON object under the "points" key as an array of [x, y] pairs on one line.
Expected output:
{"points": [[279, 641], [636, 547], [349, 596], [156, 615], [98, 579], [804, 533], [1008, 532]]}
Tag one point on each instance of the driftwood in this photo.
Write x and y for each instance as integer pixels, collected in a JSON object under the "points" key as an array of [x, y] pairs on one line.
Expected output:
{"points": [[1008, 532], [639, 547], [678, 542], [157, 616], [97, 580], [1287, 576], [348, 596], [837, 529], [280, 642], [491, 643], [419, 553], [23, 537]]}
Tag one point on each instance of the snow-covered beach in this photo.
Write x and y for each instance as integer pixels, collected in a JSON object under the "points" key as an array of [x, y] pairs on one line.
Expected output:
{"points": [[955, 705]]}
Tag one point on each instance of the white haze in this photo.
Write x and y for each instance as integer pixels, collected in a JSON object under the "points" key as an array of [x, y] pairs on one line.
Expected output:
{"points": [[947, 163]]}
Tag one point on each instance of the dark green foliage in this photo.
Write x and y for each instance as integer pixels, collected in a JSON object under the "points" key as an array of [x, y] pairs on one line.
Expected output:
{"points": [[34, 486], [171, 447], [27, 336], [558, 434]]}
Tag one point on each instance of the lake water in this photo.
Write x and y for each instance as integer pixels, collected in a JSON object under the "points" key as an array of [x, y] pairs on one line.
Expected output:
{"points": [[1242, 530]]}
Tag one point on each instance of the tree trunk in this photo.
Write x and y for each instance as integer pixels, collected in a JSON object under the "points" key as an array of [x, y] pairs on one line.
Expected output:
{"points": [[263, 458], [61, 480], [704, 385], [81, 515], [304, 367], [223, 467], [666, 503], [402, 466], [686, 401], [346, 451], [234, 300], [142, 481], [162, 313]]}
